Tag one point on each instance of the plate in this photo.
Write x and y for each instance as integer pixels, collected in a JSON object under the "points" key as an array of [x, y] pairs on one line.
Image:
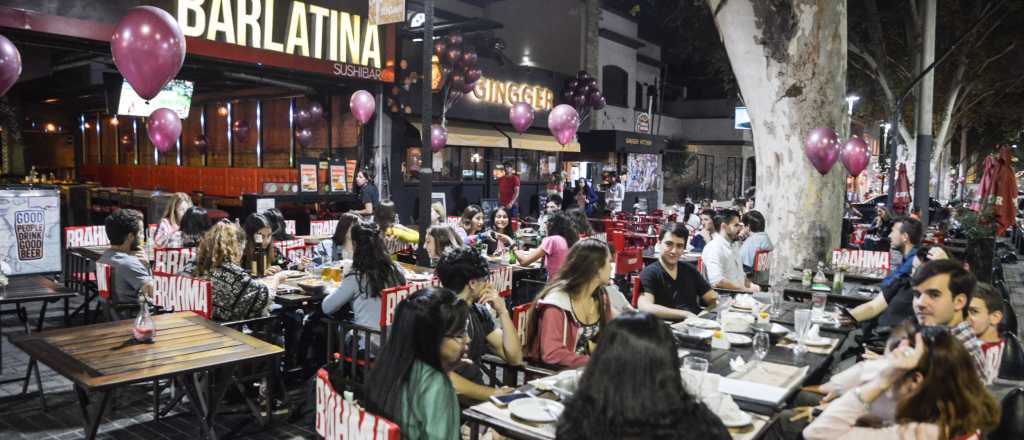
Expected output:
{"points": [[736, 419], [820, 341], [702, 323], [418, 277], [738, 339], [292, 274], [536, 410]]}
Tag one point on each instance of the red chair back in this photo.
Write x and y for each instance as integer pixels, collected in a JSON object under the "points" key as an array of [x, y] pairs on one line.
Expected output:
{"points": [[617, 240], [181, 293], [629, 260], [337, 417], [81, 236], [636, 291], [762, 260], [103, 280], [389, 299], [172, 260], [520, 314]]}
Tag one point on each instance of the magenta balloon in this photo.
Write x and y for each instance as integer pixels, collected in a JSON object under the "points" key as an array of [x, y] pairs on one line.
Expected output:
{"points": [[200, 143], [455, 39], [148, 49], [572, 84], [240, 129], [563, 121], [10, 64], [600, 105], [855, 155], [594, 98], [304, 136], [579, 100], [163, 128], [302, 118], [362, 105], [822, 148], [472, 75], [439, 48], [458, 82], [453, 56], [521, 116], [316, 111], [469, 59], [438, 137]]}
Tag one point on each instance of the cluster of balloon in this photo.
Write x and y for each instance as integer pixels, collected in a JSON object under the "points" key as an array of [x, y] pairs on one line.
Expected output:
{"points": [[305, 118], [458, 67], [582, 93], [822, 148], [10, 64], [148, 49]]}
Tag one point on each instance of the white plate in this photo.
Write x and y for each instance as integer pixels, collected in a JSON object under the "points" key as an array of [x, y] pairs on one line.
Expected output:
{"points": [[292, 274], [738, 339], [536, 410], [702, 323], [820, 341], [736, 419], [418, 277]]}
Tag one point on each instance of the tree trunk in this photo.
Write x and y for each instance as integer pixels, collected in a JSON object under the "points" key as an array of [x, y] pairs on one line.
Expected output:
{"points": [[789, 58]]}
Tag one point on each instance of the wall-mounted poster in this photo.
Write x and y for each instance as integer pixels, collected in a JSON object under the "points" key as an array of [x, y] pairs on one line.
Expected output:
{"points": [[336, 175], [307, 177], [350, 172], [30, 231], [642, 172]]}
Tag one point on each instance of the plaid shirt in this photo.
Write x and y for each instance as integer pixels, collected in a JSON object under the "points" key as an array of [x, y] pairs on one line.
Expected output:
{"points": [[966, 336]]}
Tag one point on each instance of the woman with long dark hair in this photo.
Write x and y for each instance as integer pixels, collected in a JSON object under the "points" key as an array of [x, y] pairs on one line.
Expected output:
{"points": [[439, 239], [652, 404], [278, 224], [581, 222], [568, 314], [555, 247], [409, 383], [339, 247], [937, 389], [691, 220], [707, 231], [500, 231], [259, 232], [471, 227], [194, 224], [372, 271]]}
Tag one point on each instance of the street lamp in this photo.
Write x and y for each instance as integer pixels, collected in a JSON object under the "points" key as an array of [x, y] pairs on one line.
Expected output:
{"points": [[849, 103]]}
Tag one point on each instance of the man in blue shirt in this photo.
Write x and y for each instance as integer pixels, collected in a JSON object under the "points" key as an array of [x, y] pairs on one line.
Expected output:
{"points": [[906, 238]]}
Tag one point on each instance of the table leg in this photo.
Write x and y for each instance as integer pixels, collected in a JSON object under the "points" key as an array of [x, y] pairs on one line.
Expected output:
{"points": [[42, 316], [92, 423], [67, 318], [221, 380], [196, 403]]}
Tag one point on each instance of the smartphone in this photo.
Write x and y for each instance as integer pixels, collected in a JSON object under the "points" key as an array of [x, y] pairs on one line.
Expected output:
{"points": [[846, 312], [504, 400]]}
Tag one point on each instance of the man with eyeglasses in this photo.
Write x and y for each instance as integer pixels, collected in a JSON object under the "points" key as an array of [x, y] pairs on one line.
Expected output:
{"points": [[721, 259], [669, 289]]}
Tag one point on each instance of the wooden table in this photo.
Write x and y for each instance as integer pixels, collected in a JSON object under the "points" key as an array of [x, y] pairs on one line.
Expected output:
{"points": [[32, 288], [97, 359], [785, 317], [850, 296]]}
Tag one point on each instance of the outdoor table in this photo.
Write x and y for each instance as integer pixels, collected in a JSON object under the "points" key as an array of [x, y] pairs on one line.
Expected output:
{"points": [[865, 278], [849, 297], [98, 359], [31, 288], [687, 257], [785, 317]]}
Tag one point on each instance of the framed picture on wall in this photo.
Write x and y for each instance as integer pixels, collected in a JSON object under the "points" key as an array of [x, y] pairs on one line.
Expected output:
{"points": [[336, 174], [309, 181]]}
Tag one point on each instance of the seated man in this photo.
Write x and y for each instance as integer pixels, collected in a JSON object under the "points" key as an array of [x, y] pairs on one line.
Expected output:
{"points": [[466, 272], [895, 304], [906, 238], [126, 257], [757, 240], [720, 259], [986, 312], [670, 289]]}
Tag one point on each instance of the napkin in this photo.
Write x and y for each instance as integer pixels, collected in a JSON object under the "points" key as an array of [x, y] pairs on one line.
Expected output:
{"points": [[737, 363], [813, 332]]}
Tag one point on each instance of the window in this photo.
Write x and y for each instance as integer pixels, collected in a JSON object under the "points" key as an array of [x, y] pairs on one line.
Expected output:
{"points": [[733, 176], [614, 85], [445, 164], [525, 163], [639, 96], [473, 165]]}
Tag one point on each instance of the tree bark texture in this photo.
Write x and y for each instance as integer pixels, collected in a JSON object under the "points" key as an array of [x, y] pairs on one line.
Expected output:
{"points": [[789, 58]]}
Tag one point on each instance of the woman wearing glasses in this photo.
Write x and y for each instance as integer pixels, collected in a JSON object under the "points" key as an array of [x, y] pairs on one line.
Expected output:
{"points": [[409, 383], [937, 390]]}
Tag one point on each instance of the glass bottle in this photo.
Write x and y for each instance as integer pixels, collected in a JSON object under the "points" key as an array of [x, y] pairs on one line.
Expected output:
{"points": [[144, 329], [819, 276]]}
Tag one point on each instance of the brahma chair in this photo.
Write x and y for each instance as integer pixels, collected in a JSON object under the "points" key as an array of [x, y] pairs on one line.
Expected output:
{"points": [[79, 277], [337, 416], [501, 373]]}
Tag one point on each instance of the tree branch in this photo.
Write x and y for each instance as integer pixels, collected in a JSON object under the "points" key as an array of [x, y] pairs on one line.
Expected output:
{"points": [[995, 57]]}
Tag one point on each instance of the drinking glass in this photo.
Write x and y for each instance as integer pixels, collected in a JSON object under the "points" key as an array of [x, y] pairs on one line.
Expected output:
{"points": [[818, 302], [761, 344], [775, 299], [802, 321], [697, 367]]}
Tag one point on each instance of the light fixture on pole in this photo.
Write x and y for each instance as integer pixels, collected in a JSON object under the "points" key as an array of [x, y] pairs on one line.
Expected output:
{"points": [[849, 103]]}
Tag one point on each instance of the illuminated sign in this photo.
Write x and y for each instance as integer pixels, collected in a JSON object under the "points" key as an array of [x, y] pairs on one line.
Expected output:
{"points": [[507, 93], [311, 31]]}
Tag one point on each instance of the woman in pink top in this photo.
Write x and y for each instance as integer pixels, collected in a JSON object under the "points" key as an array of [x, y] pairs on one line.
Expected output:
{"points": [[938, 394], [568, 315], [168, 234], [555, 247]]}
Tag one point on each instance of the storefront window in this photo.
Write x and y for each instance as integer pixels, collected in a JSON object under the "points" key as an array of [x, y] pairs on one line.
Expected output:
{"points": [[472, 164], [445, 163]]}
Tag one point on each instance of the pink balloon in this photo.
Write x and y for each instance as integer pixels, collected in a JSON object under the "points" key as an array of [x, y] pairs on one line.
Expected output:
{"points": [[240, 128], [521, 116], [563, 121], [855, 155], [822, 147], [10, 64], [362, 106], [163, 128], [302, 118], [200, 143], [438, 137], [304, 136], [316, 111], [148, 49]]}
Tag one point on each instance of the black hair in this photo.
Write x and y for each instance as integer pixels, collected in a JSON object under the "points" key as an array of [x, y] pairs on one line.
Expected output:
{"points": [[677, 229], [561, 224], [961, 282], [555, 198], [345, 222], [277, 224], [467, 216], [650, 404], [252, 224], [507, 230], [422, 321], [688, 210], [384, 215], [194, 223], [122, 223], [724, 217], [371, 262], [754, 220], [993, 301], [711, 214], [912, 227], [459, 265], [580, 221]]}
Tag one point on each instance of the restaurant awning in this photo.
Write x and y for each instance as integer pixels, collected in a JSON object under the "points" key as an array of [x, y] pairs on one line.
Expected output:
{"points": [[538, 142], [463, 136]]}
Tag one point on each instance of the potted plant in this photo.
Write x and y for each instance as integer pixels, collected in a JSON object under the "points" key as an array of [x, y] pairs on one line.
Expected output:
{"points": [[980, 230]]}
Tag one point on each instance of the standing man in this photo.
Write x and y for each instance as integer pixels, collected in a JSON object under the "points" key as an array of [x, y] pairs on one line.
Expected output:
{"points": [[670, 289], [368, 194], [721, 259], [906, 238], [508, 190]]}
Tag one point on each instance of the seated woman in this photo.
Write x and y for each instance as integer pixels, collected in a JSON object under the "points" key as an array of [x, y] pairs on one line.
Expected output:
{"points": [[194, 224], [259, 233], [236, 295], [471, 227], [168, 234], [653, 405], [501, 233], [581, 222], [278, 224], [372, 271], [437, 214], [384, 217], [439, 239], [408, 383], [938, 394], [570, 312], [706, 233], [339, 247], [554, 248]]}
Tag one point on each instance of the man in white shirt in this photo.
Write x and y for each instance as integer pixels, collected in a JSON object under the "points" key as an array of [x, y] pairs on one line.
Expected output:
{"points": [[720, 258]]}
